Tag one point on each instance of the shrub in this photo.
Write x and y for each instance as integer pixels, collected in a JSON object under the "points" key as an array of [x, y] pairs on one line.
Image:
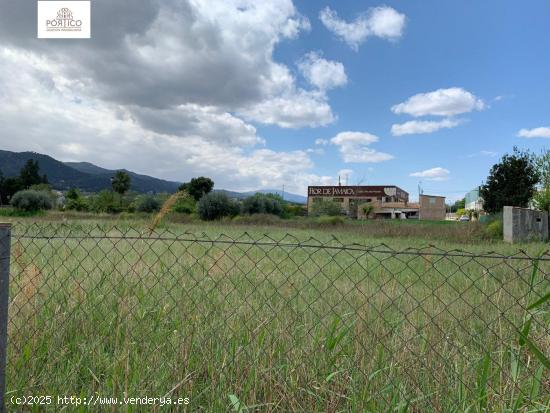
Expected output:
{"points": [[31, 200], [295, 210], [148, 204], [495, 229], [106, 201], [541, 199], [216, 205], [368, 210], [72, 193], [76, 204], [329, 208], [262, 204], [185, 205]]}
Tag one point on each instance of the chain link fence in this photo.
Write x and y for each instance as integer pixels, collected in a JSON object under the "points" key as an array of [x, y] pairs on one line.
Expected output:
{"points": [[272, 324]]}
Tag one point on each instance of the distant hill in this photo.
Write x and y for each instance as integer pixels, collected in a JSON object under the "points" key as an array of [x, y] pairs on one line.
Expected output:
{"points": [[290, 197], [139, 183], [83, 175], [92, 178], [60, 176]]}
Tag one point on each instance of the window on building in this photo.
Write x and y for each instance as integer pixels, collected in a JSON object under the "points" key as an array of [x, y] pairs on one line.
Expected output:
{"points": [[432, 201]]}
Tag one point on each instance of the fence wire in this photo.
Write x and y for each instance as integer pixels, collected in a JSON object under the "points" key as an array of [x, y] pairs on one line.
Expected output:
{"points": [[274, 324]]}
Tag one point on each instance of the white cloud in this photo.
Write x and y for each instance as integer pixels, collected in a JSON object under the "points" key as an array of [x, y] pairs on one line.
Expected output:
{"points": [[434, 174], [321, 73], [441, 102], [194, 140], [322, 142], [208, 122], [186, 83], [542, 132], [296, 109], [169, 53], [423, 126], [482, 153], [384, 22], [354, 147]]}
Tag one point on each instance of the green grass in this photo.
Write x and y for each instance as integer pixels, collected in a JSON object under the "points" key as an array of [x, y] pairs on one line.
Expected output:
{"points": [[253, 327], [14, 213]]}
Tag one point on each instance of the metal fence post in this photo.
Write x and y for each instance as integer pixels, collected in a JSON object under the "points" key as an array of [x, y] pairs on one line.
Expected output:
{"points": [[5, 244]]}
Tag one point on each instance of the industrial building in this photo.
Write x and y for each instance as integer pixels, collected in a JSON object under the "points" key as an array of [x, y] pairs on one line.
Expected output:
{"points": [[380, 201], [473, 200]]}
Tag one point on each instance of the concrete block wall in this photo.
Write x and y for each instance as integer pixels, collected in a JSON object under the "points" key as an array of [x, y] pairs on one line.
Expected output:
{"points": [[524, 225]]}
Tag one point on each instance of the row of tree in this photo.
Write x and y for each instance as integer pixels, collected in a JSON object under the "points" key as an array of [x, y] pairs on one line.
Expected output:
{"points": [[29, 175], [514, 180], [520, 178]]}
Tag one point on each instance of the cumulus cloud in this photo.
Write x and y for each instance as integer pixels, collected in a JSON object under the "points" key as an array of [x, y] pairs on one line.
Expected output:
{"points": [[321, 73], [542, 132], [296, 109], [169, 88], [175, 143], [441, 102], [422, 126], [354, 147], [208, 122], [491, 154], [322, 142], [384, 22], [433, 174], [167, 53]]}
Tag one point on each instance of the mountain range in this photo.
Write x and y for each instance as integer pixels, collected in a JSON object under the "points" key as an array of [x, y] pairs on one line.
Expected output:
{"points": [[92, 178]]}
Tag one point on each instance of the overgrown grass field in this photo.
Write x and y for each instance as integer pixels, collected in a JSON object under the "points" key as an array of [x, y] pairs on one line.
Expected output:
{"points": [[276, 322]]}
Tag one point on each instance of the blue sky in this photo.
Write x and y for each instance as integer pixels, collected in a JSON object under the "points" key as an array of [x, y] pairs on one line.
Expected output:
{"points": [[497, 50], [261, 94]]}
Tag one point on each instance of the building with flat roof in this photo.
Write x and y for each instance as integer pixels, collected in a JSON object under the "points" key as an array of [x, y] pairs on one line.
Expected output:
{"points": [[432, 207], [384, 201], [473, 200]]}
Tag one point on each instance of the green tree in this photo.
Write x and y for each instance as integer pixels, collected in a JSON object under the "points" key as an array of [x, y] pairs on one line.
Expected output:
{"points": [[216, 205], [263, 204], [326, 207], [1, 188], [368, 209], [541, 198], [72, 193], [30, 174], [460, 204], [198, 187], [512, 181], [121, 182], [9, 187], [31, 200]]}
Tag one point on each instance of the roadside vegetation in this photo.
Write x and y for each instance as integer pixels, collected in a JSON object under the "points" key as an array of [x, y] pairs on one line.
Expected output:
{"points": [[197, 201], [257, 327]]}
